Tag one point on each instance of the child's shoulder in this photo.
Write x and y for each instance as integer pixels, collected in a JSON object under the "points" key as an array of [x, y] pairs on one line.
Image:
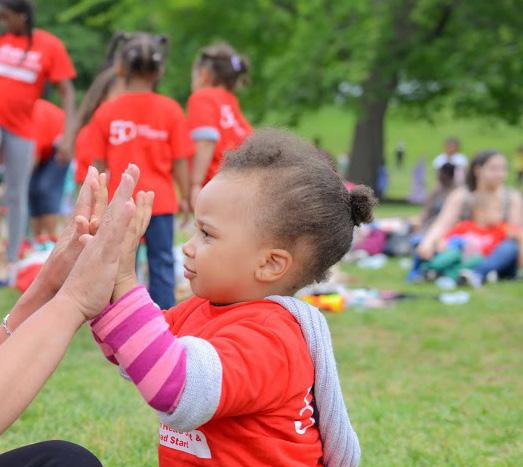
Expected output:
{"points": [[270, 314]]}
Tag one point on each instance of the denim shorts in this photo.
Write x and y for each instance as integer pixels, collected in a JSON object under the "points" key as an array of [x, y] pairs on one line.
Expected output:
{"points": [[46, 187]]}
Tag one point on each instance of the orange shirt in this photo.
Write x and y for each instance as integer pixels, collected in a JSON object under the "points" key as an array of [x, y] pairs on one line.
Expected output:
{"points": [[214, 114], [265, 412], [48, 121], [83, 153], [148, 130], [23, 75]]}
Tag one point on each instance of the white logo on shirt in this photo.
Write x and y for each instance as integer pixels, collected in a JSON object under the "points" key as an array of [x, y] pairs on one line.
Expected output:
{"points": [[123, 131], [20, 65], [228, 120], [301, 429], [193, 442]]}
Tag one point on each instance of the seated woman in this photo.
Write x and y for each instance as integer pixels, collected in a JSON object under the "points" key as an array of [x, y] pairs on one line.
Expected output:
{"points": [[485, 195]]}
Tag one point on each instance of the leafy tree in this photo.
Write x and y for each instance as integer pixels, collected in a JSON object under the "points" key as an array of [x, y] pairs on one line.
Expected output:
{"points": [[367, 54]]}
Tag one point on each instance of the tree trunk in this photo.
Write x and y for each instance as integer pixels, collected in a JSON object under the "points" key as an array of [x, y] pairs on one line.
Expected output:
{"points": [[366, 155]]}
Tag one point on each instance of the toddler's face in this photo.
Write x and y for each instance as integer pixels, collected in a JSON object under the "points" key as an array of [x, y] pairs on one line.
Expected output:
{"points": [[221, 257]]}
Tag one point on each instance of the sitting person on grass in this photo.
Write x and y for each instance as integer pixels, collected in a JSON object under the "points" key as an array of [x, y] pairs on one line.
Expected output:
{"points": [[485, 194], [242, 373], [464, 247]]}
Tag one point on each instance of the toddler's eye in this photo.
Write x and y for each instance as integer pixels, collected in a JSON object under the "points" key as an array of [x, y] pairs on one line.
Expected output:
{"points": [[204, 233]]}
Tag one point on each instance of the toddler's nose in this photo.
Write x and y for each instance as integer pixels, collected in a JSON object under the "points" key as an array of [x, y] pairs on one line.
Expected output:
{"points": [[188, 249]]}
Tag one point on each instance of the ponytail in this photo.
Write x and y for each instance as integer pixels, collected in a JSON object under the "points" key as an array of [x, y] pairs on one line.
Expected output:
{"points": [[228, 68], [143, 55]]}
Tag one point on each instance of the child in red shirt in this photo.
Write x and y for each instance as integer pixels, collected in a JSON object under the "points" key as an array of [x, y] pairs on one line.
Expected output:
{"points": [[47, 181], [242, 373], [149, 130], [29, 57], [215, 119], [106, 86]]}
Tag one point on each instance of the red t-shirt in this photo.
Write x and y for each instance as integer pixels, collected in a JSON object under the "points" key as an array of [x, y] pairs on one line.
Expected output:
{"points": [[83, 153], [23, 75], [265, 414], [148, 130], [48, 121], [485, 238], [214, 113]]}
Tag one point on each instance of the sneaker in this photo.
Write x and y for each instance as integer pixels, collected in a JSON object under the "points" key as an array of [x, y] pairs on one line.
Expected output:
{"points": [[470, 278], [492, 277]]}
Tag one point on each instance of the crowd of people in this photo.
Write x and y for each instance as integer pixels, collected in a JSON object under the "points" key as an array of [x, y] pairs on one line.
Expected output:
{"points": [[470, 229]]}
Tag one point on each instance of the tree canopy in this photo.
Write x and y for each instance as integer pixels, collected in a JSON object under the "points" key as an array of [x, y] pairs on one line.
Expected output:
{"points": [[420, 54]]}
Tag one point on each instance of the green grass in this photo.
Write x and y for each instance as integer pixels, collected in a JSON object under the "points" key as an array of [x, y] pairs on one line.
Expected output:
{"points": [[426, 384]]}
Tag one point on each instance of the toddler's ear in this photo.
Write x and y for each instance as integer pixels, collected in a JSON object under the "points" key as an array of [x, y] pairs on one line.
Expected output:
{"points": [[273, 265]]}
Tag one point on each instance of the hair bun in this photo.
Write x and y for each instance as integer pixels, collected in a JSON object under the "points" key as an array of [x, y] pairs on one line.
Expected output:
{"points": [[361, 201]]}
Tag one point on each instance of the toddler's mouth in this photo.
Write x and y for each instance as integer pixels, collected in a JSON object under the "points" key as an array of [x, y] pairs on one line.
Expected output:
{"points": [[188, 272]]}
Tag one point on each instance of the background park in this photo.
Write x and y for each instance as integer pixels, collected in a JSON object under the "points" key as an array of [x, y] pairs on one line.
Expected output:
{"points": [[427, 384]]}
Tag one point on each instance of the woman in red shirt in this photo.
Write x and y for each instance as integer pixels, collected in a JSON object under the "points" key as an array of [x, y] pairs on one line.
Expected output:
{"points": [[149, 130], [215, 120], [28, 59]]}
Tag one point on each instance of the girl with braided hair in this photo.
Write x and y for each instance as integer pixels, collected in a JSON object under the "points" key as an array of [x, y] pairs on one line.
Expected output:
{"points": [[142, 127]]}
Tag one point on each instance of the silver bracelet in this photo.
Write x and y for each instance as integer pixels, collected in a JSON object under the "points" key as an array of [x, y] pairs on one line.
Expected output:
{"points": [[5, 327]]}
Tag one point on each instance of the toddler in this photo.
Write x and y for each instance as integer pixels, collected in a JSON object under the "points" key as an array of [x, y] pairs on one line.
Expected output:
{"points": [[242, 373]]}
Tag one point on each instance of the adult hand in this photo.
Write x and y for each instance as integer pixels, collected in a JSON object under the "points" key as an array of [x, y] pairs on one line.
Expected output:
{"points": [[65, 151], [89, 209], [89, 286], [425, 250]]}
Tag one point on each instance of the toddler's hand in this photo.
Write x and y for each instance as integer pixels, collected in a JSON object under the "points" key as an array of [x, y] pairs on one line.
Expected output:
{"points": [[126, 276], [89, 285]]}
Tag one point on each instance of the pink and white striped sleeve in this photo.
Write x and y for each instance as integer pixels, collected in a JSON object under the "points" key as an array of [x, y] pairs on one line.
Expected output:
{"points": [[133, 333]]}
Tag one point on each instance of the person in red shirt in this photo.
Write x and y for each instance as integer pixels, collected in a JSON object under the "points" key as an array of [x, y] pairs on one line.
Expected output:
{"points": [[47, 181], [28, 59], [215, 119], [106, 86], [149, 130], [240, 373]]}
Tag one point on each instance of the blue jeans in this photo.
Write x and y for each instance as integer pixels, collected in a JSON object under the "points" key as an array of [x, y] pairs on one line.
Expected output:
{"points": [[159, 240], [46, 187], [503, 260]]}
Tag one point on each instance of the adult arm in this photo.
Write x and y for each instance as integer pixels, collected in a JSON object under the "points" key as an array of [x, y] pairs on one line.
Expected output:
{"points": [[448, 216], [66, 91], [516, 210], [33, 351]]}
